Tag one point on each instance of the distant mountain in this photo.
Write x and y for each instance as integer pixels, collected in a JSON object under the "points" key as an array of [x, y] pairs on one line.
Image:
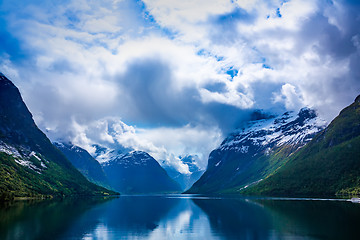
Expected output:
{"points": [[329, 165], [250, 154], [137, 172], [29, 164], [84, 162], [185, 180]]}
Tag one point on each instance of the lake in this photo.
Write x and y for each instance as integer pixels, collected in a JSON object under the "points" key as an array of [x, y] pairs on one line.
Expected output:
{"points": [[179, 217]]}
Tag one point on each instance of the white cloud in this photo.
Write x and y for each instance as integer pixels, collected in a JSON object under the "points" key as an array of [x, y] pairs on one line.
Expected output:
{"points": [[289, 96], [164, 144], [88, 61], [231, 97], [173, 12], [187, 18], [195, 140]]}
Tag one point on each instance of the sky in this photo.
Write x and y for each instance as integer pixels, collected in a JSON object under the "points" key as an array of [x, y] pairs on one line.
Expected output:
{"points": [[174, 77]]}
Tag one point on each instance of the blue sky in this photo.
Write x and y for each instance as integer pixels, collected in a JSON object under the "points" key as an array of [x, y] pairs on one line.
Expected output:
{"points": [[174, 77]]}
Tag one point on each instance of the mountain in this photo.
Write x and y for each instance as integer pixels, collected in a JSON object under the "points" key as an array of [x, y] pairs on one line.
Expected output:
{"points": [[251, 153], [29, 164], [104, 153], [84, 162], [137, 172], [185, 180], [329, 165]]}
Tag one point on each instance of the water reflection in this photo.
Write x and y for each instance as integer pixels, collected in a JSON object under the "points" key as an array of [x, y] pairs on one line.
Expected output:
{"points": [[123, 218], [41, 219], [236, 218], [178, 217], [316, 219], [143, 217]]}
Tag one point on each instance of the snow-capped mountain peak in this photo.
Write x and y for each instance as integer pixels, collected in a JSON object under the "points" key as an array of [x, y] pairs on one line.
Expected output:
{"points": [[249, 154], [132, 158], [289, 128]]}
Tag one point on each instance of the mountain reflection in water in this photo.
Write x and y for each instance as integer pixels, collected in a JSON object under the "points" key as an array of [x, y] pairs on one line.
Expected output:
{"points": [[179, 217]]}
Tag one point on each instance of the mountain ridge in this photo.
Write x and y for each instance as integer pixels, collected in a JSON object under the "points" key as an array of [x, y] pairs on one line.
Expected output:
{"points": [[249, 154], [137, 172], [29, 164], [328, 166], [84, 162]]}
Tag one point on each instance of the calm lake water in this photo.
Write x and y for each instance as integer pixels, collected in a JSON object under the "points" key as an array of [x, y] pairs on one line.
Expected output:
{"points": [[180, 217]]}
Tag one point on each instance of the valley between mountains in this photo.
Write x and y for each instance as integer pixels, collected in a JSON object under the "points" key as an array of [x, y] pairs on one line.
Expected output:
{"points": [[296, 154]]}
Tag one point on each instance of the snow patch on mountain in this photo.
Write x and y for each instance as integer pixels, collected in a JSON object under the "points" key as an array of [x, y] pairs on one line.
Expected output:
{"points": [[104, 154], [130, 159], [10, 150], [289, 128], [24, 157]]}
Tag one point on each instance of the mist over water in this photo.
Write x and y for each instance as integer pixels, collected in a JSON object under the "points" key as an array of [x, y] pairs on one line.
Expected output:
{"points": [[179, 217]]}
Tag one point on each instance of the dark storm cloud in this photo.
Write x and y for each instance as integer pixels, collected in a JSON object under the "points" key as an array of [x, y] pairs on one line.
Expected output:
{"points": [[331, 40], [336, 34], [152, 99]]}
